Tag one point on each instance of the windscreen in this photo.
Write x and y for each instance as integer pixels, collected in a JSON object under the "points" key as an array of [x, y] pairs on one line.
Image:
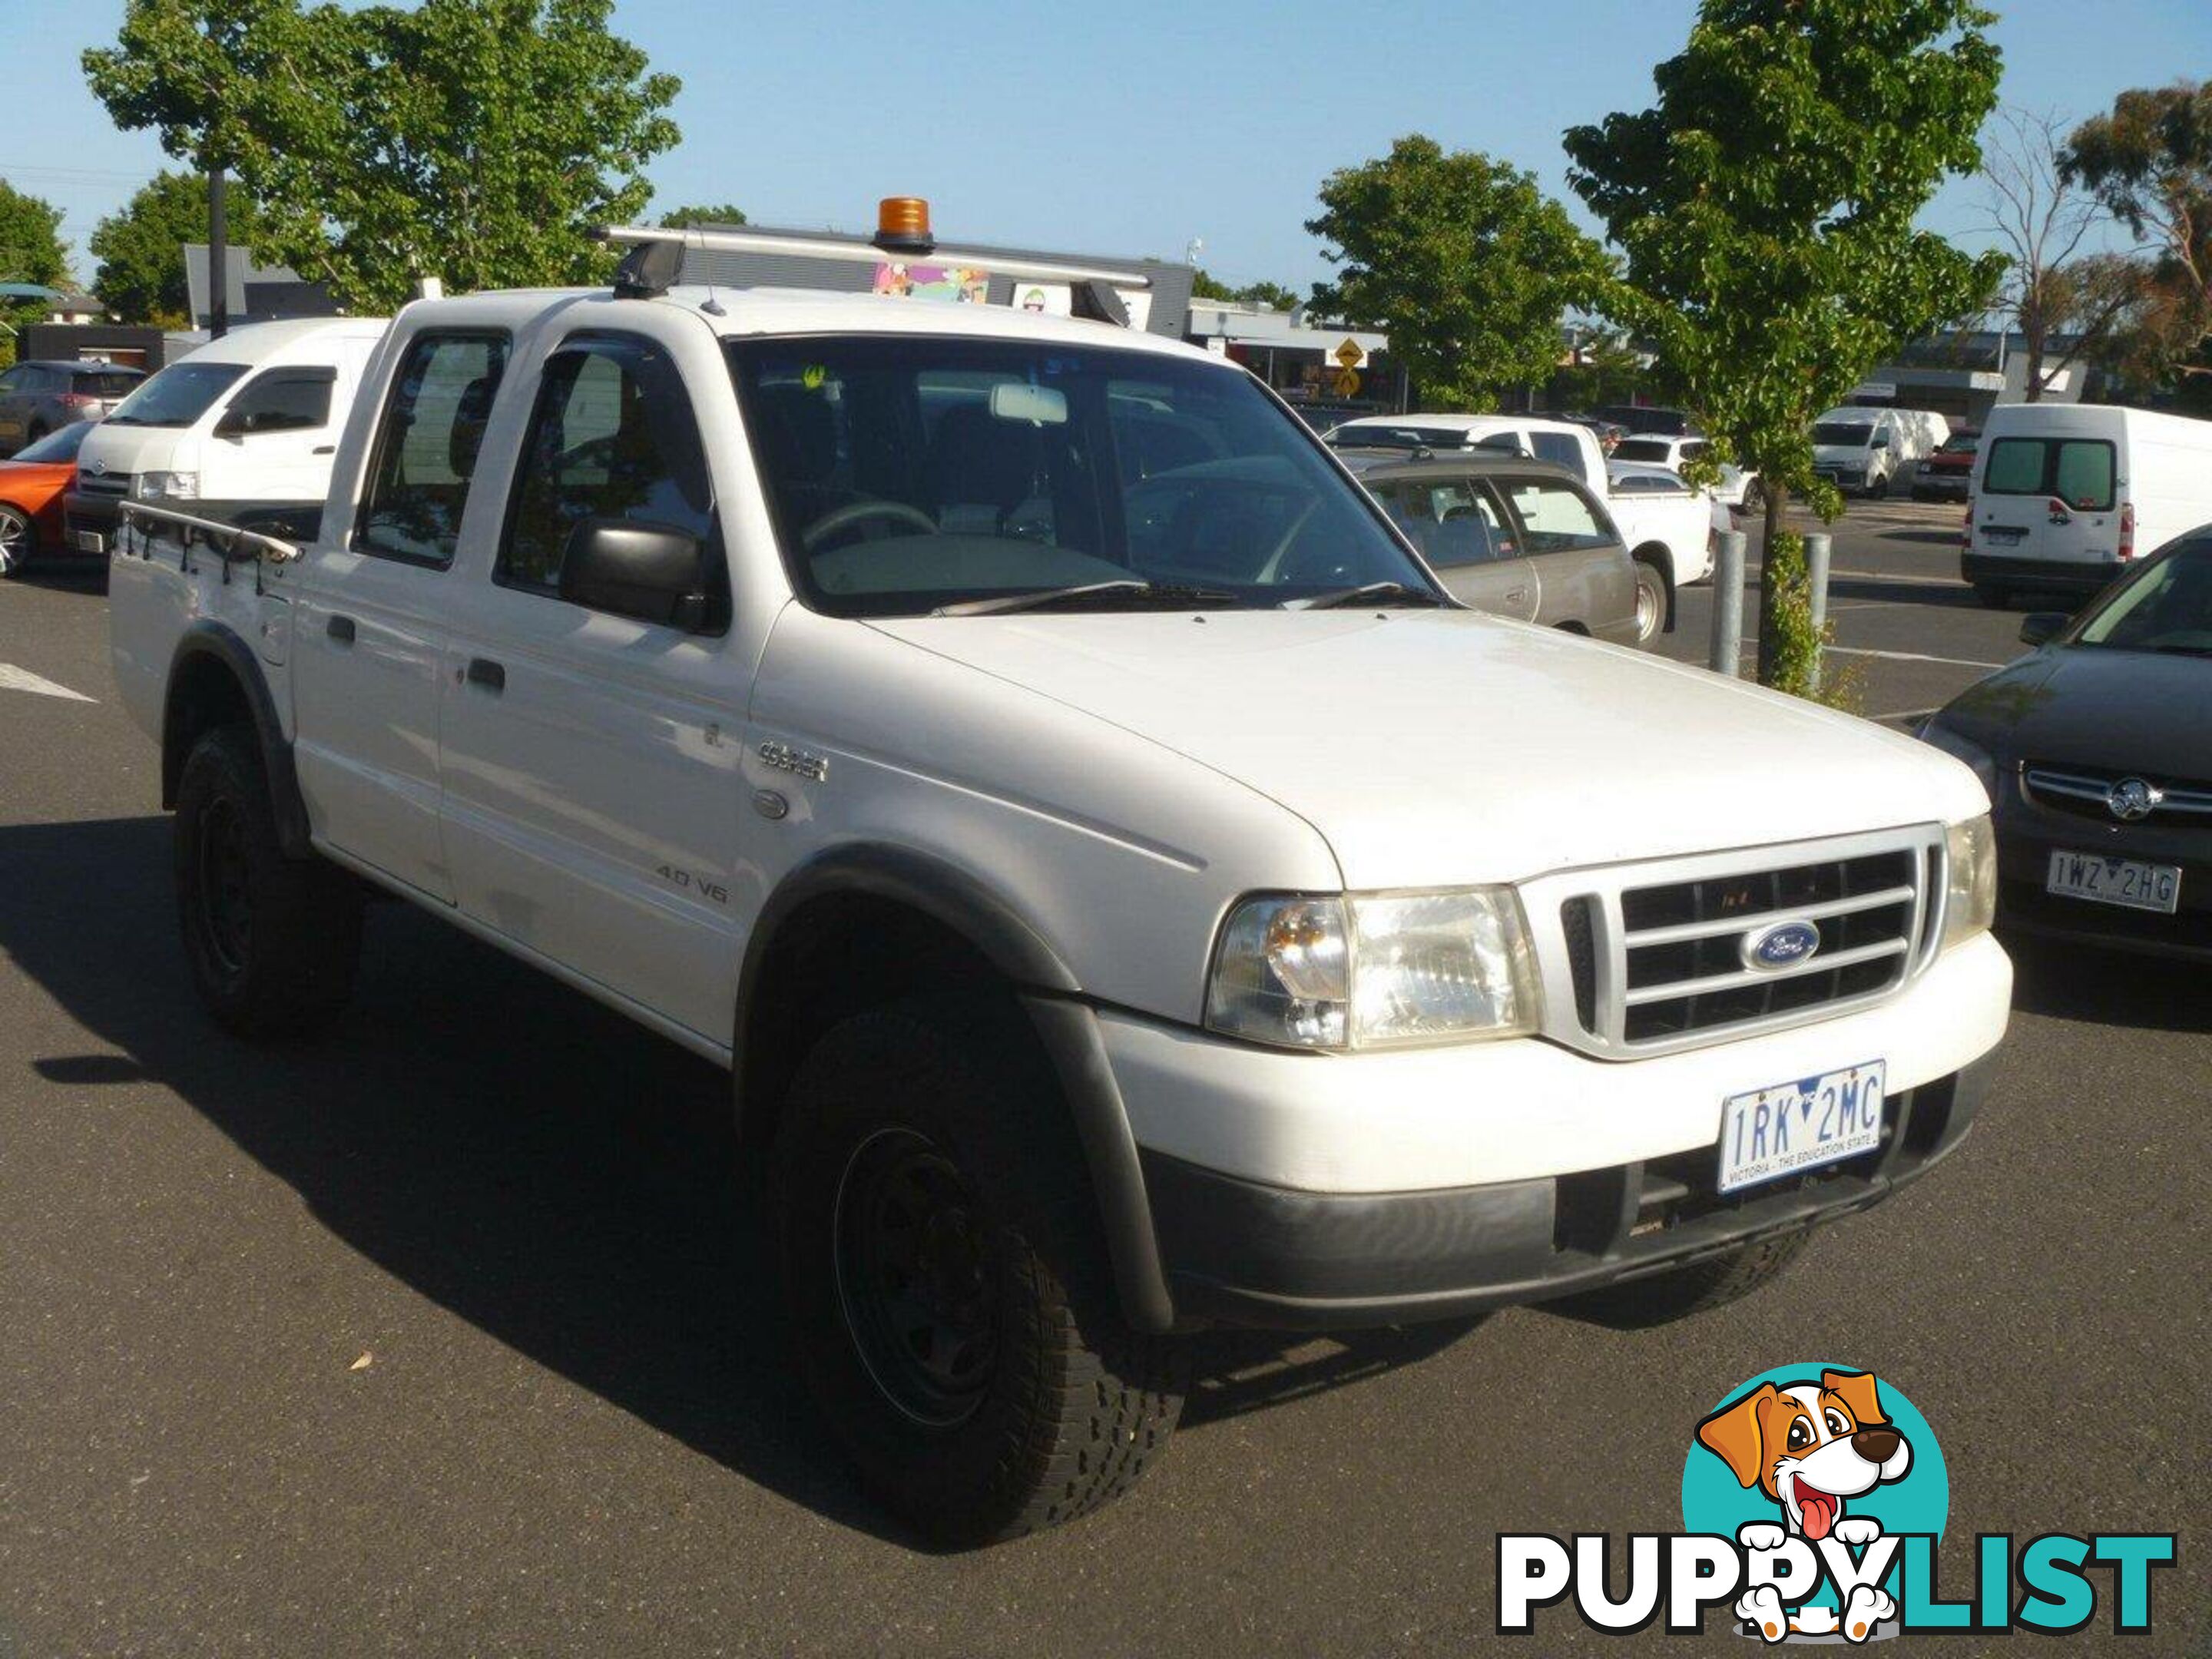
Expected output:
{"points": [[907, 473], [2168, 607], [1843, 434], [178, 396]]}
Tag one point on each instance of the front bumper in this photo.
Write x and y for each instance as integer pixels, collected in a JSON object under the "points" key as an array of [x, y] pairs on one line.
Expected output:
{"points": [[86, 514], [2028, 832], [2069, 576], [1240, 1252], [1311, 1189]]}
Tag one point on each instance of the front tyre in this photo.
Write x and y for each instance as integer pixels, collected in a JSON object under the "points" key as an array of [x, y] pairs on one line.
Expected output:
{"points": [[272, 941], [948, 1293]]}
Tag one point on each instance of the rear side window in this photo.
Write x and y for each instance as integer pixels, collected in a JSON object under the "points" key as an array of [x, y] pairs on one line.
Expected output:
{"points": [[284, 400], [1557, 516], [2079, 472], [107, 383], [1559, 446], [612, 436], [426, 440]]}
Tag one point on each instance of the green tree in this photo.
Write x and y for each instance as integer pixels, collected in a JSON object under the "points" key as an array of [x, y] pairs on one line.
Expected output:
{"points": [[683, 217], [474, 141], [31, 251], [1462, 260], [2149, 162], [1273, 296], [1766, 207], [140, 248]]}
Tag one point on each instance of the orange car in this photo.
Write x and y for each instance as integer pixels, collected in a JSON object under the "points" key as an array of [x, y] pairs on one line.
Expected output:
{"points": [[31, 486]]}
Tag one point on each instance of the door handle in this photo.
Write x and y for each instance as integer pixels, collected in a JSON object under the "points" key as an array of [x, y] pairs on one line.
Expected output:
{"points": [[483, 672], [340, 629], [325, 449], [1515, 595]]}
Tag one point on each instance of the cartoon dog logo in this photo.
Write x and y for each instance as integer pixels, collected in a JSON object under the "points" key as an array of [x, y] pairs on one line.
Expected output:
{"points": [[1811, 1448]]}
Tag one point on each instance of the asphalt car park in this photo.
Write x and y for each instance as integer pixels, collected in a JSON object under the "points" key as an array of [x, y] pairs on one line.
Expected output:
{"points": [[452, 1333]]}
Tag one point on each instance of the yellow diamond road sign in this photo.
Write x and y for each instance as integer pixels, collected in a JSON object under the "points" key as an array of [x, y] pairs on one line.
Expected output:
{"points": [[1351, 354]]}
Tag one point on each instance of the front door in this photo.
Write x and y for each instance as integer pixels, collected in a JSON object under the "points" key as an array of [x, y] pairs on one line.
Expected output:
{"points": [[274, 440], [591, 759], [369, 632], [1467, 540]]}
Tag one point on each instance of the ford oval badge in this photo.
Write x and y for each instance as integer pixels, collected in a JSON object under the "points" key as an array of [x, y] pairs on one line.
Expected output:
{"points": [[1784, 945]]}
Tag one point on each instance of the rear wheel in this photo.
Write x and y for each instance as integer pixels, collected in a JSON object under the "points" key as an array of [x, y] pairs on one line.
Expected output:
{"points": [[18, 540], [1638, 1303], [272, 941], [1650, 602], [1754, 499], [948, 1293]]}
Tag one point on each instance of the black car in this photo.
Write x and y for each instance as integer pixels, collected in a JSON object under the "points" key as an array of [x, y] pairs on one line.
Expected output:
{"points": [[2097, 753]]}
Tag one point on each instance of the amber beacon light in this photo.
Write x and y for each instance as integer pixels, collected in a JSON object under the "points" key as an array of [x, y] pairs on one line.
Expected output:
{"points": [[903, 225]]}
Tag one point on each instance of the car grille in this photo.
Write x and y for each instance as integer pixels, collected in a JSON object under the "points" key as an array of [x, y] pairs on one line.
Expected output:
{"points": [[106, 483], [2086, 792], [1647, 958]]}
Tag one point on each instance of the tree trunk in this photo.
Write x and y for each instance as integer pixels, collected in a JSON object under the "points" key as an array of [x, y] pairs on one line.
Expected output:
{"points": [[1778, 505]]}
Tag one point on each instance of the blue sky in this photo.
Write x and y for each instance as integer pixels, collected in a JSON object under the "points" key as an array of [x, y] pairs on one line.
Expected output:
{"points": [[1119, 130]]}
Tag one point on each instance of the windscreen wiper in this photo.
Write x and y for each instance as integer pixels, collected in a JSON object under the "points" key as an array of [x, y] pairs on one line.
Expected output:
{"points": [[1366, 593], [1053, 598]]}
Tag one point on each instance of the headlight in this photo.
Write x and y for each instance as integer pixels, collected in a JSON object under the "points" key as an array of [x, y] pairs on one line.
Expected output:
{"points": [[1970, 904], [1984, 763], [1375, 971], [167, 486]]}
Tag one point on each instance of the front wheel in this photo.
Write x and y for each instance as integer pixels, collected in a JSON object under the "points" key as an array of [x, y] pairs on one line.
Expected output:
{"points": [[1754, 499], [18, 540], [1992, 597], [1877, 486], [948, 1293], [1650, 602], [272, 941]]}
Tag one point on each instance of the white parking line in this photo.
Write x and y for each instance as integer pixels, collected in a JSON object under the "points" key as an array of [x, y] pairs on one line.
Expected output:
{"points": [[1913, 656], [13, 678]]}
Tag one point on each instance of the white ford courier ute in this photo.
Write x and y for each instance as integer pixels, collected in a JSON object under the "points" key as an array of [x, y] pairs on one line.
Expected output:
{"points": [[1128, 894]]}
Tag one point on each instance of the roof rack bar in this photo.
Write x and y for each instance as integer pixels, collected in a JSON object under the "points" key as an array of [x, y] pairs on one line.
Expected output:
{"points": [[865, 253]]}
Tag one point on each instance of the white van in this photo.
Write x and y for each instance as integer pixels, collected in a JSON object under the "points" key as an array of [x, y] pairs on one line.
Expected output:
{"points": [[1869, 449], [253, 417], [2065, 495]]}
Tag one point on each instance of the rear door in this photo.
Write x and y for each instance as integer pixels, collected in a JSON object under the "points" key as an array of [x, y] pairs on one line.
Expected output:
{"points": [[1465, 535], [591, 759], [1583, 572], [369, 640], [2049, 497]]}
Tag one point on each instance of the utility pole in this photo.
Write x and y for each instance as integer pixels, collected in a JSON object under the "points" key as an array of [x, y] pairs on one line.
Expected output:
{"points": [[218, 256]]}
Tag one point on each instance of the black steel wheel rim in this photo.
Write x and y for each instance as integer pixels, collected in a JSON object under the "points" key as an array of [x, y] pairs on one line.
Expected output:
{"points": [[916, 1278], [225, 901]]}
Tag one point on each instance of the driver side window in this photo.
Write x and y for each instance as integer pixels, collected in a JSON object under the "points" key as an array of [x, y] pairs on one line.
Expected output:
{"points": [[612, 436]]}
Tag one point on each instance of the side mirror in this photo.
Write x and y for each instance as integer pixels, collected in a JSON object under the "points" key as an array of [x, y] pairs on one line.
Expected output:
{"points": [[2041, 627], [1880, 441], [235, 423], [648, 571]]}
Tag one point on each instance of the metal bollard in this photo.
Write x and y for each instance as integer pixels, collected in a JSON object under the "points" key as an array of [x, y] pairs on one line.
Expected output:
{"points": [[1817, 546], [1727, 655]]}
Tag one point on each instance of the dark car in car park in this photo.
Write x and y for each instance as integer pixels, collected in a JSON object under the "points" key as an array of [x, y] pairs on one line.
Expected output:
{"points": [[38, 398], [2097, 753], [1515, 537], [1948, 474]]}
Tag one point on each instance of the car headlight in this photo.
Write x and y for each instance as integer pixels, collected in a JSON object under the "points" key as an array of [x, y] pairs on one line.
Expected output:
{"points": [[1375, 971], [1970, 903], [1960, 748], [167, 486]]}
